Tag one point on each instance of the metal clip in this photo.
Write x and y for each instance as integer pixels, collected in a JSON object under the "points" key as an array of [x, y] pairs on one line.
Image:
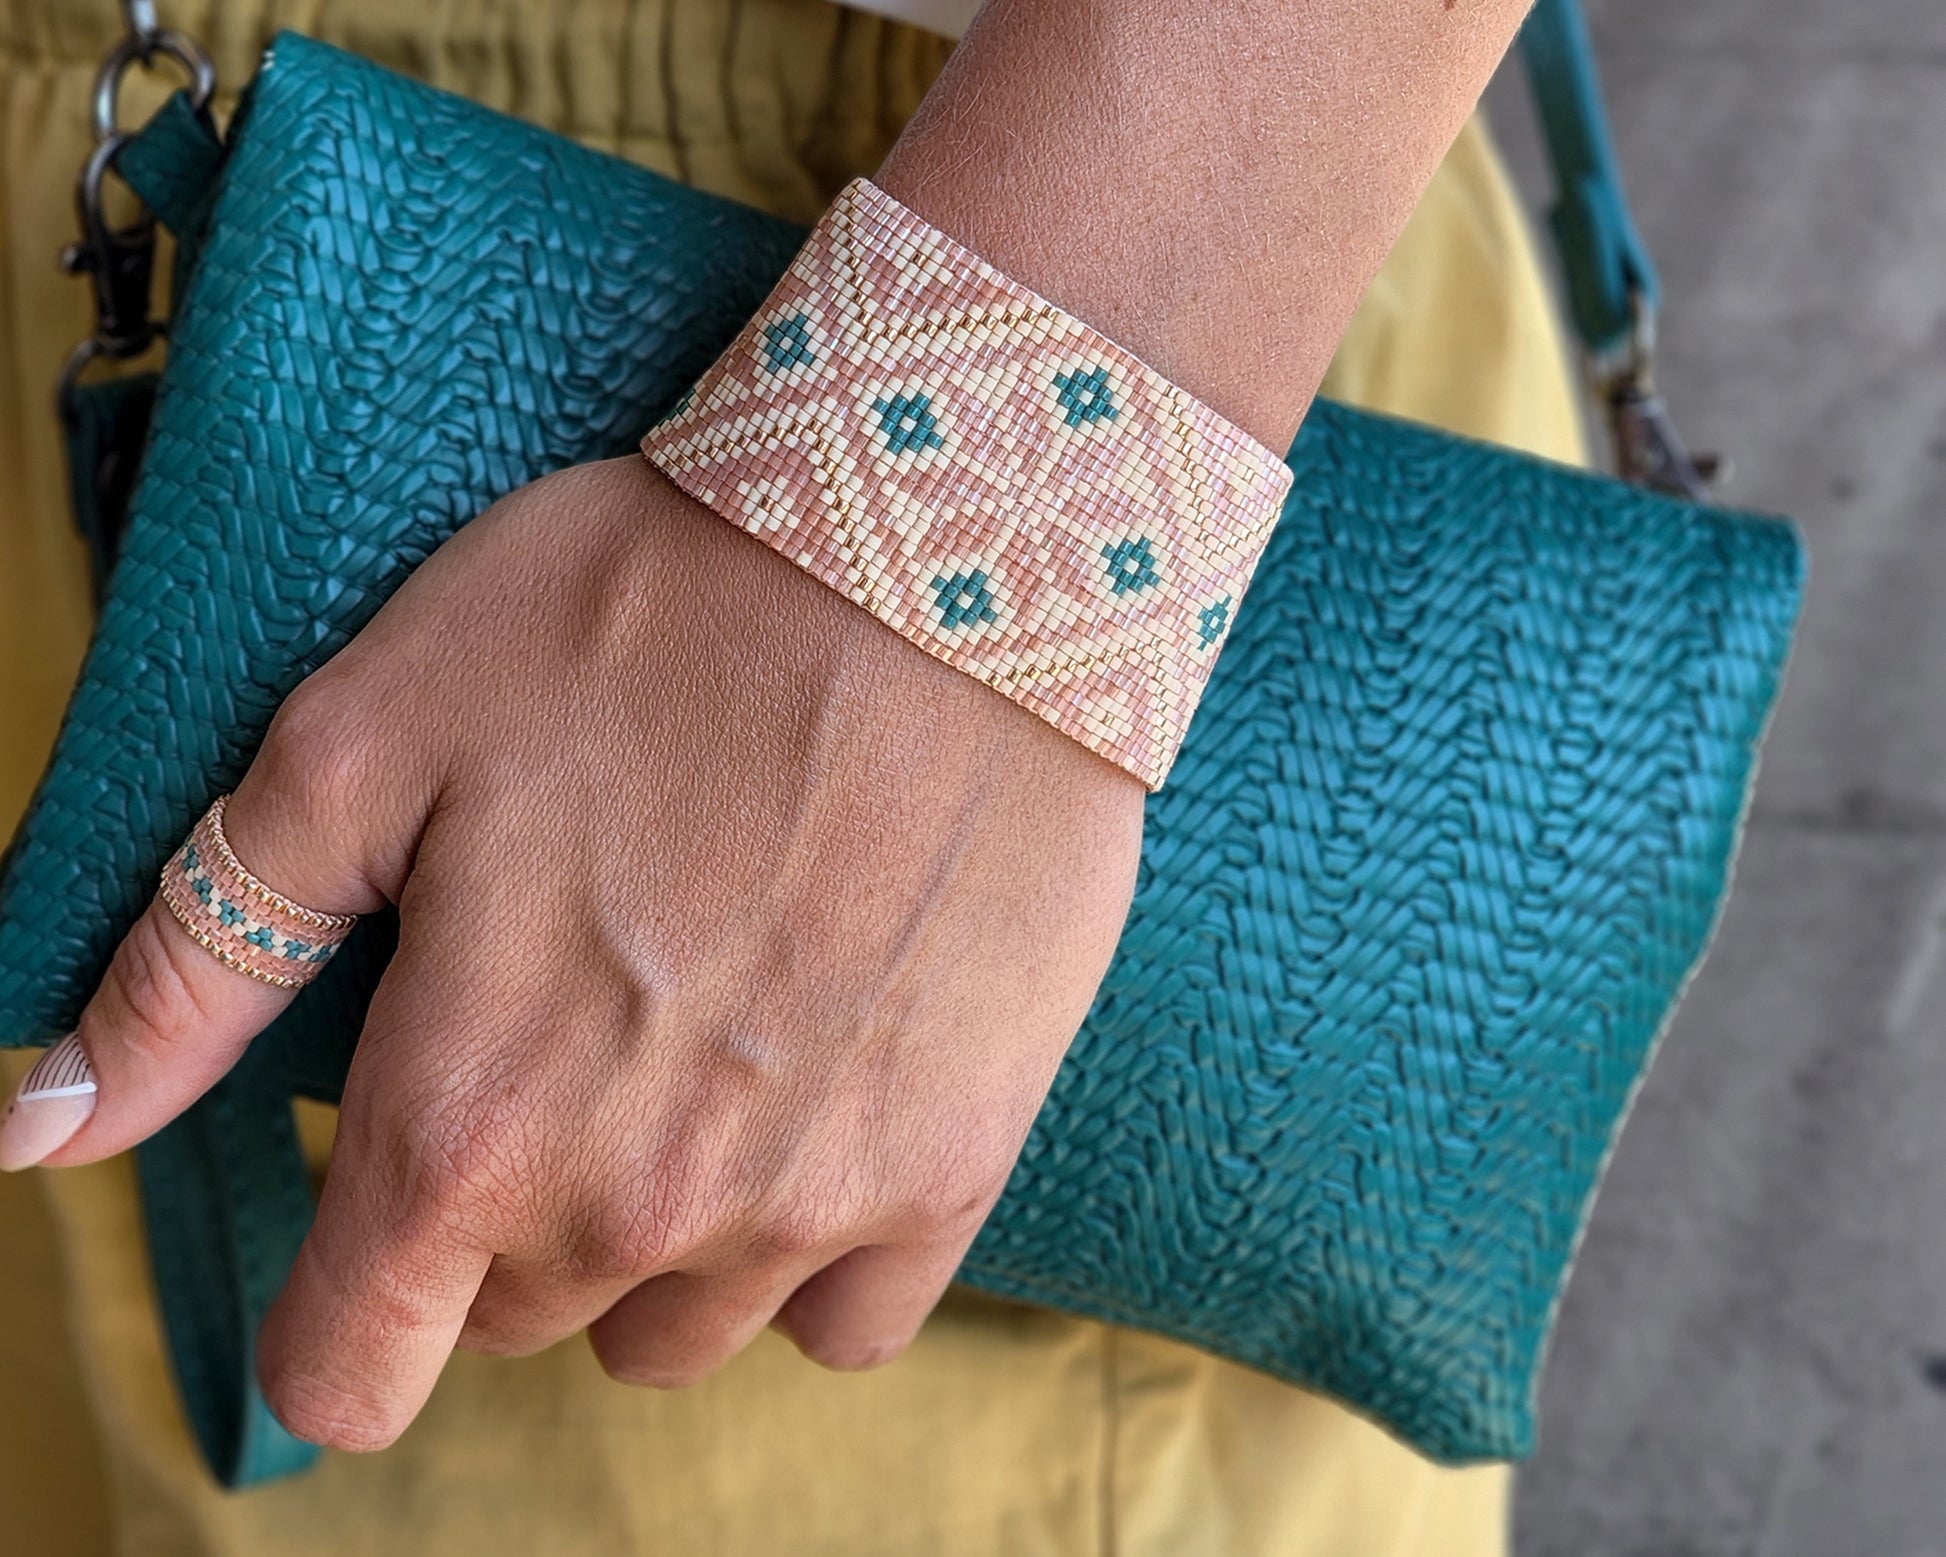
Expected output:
{"points": [[1649, 452], [119, 262]]}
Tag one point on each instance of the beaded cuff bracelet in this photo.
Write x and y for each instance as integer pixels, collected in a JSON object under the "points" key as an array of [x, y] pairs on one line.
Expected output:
{"points": [[994, 479]]}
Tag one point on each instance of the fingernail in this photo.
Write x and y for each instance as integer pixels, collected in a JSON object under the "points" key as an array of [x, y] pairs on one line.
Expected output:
{"points": [[54, 1101]]}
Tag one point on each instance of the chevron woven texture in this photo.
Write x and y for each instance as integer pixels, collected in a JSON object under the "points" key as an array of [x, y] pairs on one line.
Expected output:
{"points": [[1444, 843]]}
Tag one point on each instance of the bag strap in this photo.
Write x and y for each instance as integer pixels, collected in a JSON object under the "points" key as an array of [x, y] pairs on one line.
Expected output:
{"points": [[227, 1201], [1610, 279], [1612, 288]]}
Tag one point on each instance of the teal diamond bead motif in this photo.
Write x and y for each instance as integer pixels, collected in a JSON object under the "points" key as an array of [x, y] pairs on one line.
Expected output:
{"points": [[1084, 396], [964, 599], [908, 423], [229, 913], [1131, 565], [787, 344], [1211, 621]]}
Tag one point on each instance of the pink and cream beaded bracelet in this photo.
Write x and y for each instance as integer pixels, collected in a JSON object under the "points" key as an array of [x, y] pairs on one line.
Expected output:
{"points": [[986, 474]]}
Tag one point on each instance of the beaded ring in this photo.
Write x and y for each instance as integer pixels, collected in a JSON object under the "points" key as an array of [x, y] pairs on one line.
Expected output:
{"points": [[240, 921], [994, 479]]}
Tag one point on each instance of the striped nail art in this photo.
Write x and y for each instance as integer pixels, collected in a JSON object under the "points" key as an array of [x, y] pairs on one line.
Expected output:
{"points": [[54, 1101], [63, 1071]]}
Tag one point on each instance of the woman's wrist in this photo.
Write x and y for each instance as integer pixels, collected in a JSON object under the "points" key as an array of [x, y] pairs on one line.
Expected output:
{"points": [[1210, 186]]}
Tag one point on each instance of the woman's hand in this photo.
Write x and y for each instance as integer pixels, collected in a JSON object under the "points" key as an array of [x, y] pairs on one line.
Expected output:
{"points": [[741, 939], [740, 942]]}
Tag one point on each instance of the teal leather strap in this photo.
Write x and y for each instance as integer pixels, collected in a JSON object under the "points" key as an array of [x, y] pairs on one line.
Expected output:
{"points": [[226, 1200], [1609, 275], [104, 426]]}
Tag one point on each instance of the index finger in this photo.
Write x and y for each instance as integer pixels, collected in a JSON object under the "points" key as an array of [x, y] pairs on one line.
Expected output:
{"points": [[381, 1288]]}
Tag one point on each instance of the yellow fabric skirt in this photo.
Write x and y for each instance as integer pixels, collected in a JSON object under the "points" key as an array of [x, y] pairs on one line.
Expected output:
{"points": [[1003, 1430]]}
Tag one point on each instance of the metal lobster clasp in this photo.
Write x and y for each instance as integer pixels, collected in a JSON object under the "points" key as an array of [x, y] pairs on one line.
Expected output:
{"points": [[1649, 452], [119, 261]]}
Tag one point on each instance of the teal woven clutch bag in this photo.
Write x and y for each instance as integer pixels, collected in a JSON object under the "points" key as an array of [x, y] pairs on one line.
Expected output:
{"points": [[1446, 840]]}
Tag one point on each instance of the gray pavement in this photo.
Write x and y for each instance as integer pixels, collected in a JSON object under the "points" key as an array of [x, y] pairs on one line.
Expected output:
{"points": [[1752, 1357]]}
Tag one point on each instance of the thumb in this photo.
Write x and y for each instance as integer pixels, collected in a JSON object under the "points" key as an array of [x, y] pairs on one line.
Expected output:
{"points": [[213, 959]]}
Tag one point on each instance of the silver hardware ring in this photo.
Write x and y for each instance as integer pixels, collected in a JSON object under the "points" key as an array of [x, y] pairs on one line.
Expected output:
{"points": [[141, 48]]}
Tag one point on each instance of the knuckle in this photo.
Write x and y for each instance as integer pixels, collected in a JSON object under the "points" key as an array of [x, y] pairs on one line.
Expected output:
{"points": [[446, 1166], [627, 1239], [963, 1208], [444, 1189], [955, 1204], [650, 1218], [322, 1412], [150, 1001], [319, 752], [491, 1336], [799, 1231]]}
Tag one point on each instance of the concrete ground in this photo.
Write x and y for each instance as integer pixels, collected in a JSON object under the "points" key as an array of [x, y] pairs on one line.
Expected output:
{"points": [[1752, 1357]]}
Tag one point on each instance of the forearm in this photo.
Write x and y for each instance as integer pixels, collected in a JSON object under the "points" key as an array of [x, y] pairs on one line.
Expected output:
{"points": [[1212, 183]]}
